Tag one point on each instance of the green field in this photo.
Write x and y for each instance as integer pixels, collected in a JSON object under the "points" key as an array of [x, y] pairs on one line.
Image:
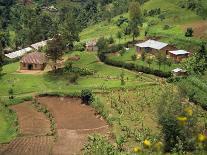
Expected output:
{"points": [[126, 57], [7, 125], [105, 77]]}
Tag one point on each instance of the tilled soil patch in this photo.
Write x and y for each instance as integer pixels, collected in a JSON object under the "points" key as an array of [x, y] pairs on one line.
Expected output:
{"points": [[40, 145], [69, 113], [75, 121], [31, 122]]}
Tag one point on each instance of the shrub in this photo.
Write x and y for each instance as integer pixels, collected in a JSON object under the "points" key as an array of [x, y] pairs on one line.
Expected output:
{"points": [[87, 96], [179, 126], [99, 145], [74, 77], [189, 32], [79, 46], [166, 27], [134, 57]]}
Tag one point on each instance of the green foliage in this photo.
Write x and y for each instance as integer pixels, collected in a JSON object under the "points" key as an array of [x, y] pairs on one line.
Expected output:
{"points": [[73, 78], [1, 59], [197, 63], [143, 56], [87, 96], [179, 124], [70, 30], [122, 79], [189, 32], [135, 17], [99, 145], [11, 93], [134, 57], [54, 51]]}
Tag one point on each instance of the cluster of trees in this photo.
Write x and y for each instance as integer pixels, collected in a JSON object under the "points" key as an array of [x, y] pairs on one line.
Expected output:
{"points": [[195, 5], [197, 63]]}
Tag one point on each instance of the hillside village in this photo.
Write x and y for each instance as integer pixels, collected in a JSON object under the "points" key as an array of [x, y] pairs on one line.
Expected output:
{"points": [[100, 77]]}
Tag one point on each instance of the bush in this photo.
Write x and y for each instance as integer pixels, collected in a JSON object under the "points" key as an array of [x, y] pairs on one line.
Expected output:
{"points": [[189, 32], [87, 96], [179, 123], [134, 57], [79, 46], [73, 78]]}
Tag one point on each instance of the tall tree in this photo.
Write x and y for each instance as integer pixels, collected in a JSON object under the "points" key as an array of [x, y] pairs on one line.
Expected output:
{"points": [[135, 17], [55, 51], [1, 58], [70, 30]]}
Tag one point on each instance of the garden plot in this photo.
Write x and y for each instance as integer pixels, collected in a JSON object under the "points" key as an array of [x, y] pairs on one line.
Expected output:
{"points": [[31, 122], [35, 145], [75, 121]]}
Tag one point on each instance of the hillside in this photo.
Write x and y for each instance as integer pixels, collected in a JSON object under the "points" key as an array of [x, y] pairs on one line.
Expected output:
{"points": [[178, 19]]}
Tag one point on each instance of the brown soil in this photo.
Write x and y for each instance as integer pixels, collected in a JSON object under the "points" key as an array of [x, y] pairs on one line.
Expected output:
{"points": [[75, 122], [40, 145], [71, 114], [199, 28], [31, 122]]}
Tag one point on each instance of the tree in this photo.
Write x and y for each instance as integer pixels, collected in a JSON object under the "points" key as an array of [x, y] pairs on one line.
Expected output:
{"points": [[1, 58], [143, 56], [197, 63], [149, 61], [55, 49], [119, 35], [189, 32], [134, 57], [70, 30], [161, 59], [135, 18]]}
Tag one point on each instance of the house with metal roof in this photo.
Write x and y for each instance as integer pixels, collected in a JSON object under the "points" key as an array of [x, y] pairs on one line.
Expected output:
{"points": [[33, 61], [152, 46], [178, 55], [179, 72], [91, 45], [18, 53], [39, 45]]}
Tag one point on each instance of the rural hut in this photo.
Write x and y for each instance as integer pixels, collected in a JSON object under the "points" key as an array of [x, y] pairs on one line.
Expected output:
{"points": [[91, 46], [152, 46], [33, 61], [178, 55], [179, 72]]}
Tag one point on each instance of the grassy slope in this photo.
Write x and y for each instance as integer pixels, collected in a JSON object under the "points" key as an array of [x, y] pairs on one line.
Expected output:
{"points": [[7, 129], [40, 83], [175, 17]]}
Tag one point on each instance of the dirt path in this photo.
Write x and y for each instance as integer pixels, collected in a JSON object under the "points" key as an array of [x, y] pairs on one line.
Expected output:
{"points": [[75, 122]]}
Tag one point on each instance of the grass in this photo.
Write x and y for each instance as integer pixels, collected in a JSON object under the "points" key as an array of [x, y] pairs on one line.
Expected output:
{"points": [[126, 57], [7, 125], [105, 76]]}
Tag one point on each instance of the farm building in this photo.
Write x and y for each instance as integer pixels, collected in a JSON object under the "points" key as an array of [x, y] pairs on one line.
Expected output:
{"points": [[18, 53], [179, 72], [152, 46], [33, 61], [178, 55], [39, 45], [91, 46]]}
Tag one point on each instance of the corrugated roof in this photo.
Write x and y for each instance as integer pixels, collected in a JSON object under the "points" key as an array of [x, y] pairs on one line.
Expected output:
{"points": [[179, 52], [152, 44], [39, 44], [18, 53], [178, 70], [91, 43], [34, 58]]}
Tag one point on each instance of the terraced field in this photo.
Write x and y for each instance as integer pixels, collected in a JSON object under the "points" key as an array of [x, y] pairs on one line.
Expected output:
{"points": [[75, 121]]}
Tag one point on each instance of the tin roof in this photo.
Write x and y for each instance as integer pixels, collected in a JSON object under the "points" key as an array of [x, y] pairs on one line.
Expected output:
{"points": [[179, 52], [152, 44], [18, 53]]}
